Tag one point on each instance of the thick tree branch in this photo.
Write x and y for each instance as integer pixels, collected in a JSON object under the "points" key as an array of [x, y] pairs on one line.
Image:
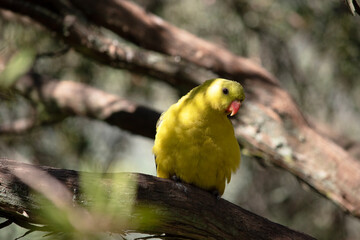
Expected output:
{"points": [[190, 214], [84, 38], [72, 98], [149, 31], [271, 126]]}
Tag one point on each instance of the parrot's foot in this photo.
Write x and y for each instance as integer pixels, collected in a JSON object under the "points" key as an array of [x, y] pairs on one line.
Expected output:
{"points": [[216, 194], [181, 187], [178, 183], [176, 178]]}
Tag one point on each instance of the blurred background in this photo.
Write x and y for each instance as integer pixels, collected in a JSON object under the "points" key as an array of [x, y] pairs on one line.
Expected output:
{"points": [[312, 47]]}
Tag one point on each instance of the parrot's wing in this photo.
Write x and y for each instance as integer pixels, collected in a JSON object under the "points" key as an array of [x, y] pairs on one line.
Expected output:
{"points": [[158, 123]]}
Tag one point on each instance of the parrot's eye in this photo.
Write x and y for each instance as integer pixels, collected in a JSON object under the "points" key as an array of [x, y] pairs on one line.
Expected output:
{"points": [[225, 91]]}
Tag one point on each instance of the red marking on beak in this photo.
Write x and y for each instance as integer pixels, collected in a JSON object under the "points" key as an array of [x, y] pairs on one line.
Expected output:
{"points": [[234, 107]]}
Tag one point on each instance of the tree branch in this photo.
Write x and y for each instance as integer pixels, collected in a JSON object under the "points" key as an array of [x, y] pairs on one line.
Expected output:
{"points": [[190, 214], [72, 98], [149, 31], [86, 39]]}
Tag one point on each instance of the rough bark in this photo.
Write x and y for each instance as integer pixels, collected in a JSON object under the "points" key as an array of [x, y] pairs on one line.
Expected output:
{"points": [[270, 126], [186, 212]]}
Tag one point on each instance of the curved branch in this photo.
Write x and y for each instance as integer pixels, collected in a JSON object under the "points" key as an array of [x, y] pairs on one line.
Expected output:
{"points": [[72, 98], [84, 38], [191, 214], [149, 31]]}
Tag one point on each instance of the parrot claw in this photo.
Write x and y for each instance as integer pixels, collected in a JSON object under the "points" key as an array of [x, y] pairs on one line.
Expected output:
{"points": [[178, 183], [176, 178], [181, 187], [216, 194]]}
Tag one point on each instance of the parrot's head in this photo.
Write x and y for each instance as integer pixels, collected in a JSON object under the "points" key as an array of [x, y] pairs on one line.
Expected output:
{"points": [[225, 95]]}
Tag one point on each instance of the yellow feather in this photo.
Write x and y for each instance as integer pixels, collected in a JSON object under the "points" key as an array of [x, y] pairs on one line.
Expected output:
{"points": [[195, 140]]}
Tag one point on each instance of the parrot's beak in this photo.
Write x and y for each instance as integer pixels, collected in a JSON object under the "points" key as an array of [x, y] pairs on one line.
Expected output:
{"points": [[234, 107]]}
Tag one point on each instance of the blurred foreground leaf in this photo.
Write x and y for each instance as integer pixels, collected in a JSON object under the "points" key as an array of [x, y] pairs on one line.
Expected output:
{"points": [[106, 201]]}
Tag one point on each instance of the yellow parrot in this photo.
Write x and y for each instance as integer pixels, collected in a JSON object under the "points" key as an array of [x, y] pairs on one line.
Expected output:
{"points": [[195, 141]]}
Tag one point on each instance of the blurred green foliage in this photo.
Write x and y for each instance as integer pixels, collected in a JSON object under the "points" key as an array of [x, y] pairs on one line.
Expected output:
{"points": [[102, 201], [311, 46], [18, 65]]}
